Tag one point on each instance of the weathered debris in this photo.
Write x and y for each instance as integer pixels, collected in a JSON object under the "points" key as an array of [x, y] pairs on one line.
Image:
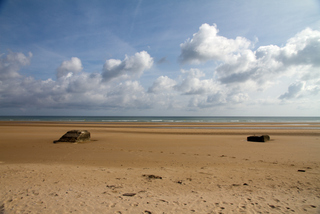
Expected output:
{"points": [[129, 194], [74, 136], [262, 138], [152, 176]]}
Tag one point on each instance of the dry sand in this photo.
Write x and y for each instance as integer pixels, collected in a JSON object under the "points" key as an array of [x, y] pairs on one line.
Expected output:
{"points": [[159, 168]]}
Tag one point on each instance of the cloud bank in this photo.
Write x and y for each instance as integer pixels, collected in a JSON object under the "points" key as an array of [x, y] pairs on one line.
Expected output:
{"points": [[244, 69], [241, 75]]}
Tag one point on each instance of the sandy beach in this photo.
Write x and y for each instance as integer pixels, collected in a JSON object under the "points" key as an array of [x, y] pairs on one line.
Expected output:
{"points": [[159, 168]]}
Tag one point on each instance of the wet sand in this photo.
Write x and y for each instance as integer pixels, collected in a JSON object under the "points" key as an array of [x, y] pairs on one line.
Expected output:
{"points": [[159, 168]]}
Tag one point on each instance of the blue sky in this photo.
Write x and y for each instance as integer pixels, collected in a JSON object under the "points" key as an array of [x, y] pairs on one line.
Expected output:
{"points": [[215, 58]]}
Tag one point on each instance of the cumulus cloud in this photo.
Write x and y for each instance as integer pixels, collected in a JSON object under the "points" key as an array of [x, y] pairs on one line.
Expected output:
{"points": [[302, 49], [218, 99], [72, 66], [132, 66], [129, 94], [206, 45], [233, 83], [192, 84], [81, 91], [215, 99], [198, 91], [293, 90], [300, 57], [161, 84], [240, 66], [73, 89], [12, 63]]}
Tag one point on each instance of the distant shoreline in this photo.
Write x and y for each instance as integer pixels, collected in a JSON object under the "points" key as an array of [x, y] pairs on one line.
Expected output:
{"points": [[312, 129]]}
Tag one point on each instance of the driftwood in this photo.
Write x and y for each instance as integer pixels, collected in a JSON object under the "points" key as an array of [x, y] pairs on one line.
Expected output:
{"points": [[74, 136], [262, 138]]}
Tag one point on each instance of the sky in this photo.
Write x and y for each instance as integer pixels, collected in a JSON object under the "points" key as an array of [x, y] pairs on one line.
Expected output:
{"points": [[160, 58]]}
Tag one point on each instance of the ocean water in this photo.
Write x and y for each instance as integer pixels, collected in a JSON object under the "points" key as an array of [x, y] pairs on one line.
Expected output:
{"points": [[157, 119]]}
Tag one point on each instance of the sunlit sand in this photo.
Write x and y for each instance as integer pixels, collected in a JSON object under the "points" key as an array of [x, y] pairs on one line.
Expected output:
{"points": [[159, 168]]}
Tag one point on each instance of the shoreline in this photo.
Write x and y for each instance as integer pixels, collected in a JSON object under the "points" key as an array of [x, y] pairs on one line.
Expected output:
{"points": [[303, 129]]}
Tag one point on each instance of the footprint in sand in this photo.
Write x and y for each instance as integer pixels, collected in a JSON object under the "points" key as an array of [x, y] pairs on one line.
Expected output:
{"points": [[2, 209], [112, 205]]}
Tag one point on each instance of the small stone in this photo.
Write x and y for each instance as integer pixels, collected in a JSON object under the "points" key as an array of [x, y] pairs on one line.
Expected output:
{"points": [[301, 170], [129, 194], [152, 176]]}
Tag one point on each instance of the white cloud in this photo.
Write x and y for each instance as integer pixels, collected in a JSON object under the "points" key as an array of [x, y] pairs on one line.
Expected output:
{"points": [[161, 84], [293, 90], [302, 49], [81, 91], [72, 66], [206, 45], [192, 84], [132, 66], [81, 83], [73, 89], [12, 63], [239, 97], [300, 57], [216, 99], [242, 70], [240, 66], [222, 97], [242, 79], [128, 94]]}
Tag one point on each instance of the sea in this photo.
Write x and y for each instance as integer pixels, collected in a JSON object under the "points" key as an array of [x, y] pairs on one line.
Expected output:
{"points": [[165, 119]]}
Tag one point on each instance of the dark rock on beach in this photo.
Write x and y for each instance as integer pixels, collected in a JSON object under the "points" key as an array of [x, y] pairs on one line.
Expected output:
{"points": [[129, 194], [74, 136], [152, 176], [262, 138]]}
